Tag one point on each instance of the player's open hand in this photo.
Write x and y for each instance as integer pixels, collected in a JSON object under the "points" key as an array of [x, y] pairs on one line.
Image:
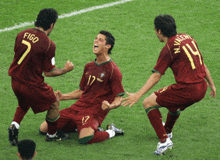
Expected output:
{"points": [[132, 99], [213, 92], [105, 105], [69, 66]]}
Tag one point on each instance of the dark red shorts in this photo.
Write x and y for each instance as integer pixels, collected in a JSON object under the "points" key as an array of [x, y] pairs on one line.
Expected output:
{"points": [[180, 96], [39, 98], [70, 120]]}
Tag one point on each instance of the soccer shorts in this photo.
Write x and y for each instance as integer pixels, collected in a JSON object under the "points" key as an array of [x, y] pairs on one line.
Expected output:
{"points": [[70, 120], [39, 98], [180, 96]]}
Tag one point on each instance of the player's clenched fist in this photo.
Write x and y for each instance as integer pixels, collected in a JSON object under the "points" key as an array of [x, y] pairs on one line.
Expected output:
{"points": [[105, 105], [69, 66]]}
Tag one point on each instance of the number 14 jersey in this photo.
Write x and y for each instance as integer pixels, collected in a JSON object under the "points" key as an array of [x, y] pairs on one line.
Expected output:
{"points": [[182, 55]]}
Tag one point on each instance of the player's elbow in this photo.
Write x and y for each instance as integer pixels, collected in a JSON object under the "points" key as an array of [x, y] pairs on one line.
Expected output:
{"points": [[157, 76], [48, 74]]}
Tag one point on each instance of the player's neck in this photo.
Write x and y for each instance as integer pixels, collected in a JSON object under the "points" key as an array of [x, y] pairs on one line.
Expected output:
{"points": [[42, 30], [101, 58], [166, 39]]}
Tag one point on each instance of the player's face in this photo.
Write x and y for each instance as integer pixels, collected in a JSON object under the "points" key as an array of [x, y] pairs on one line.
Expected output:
{"points": [[99, 45]]}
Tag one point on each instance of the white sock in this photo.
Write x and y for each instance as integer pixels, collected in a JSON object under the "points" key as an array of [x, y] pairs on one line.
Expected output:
{"points": [[51, 135], [111, 133], [16, 124]]}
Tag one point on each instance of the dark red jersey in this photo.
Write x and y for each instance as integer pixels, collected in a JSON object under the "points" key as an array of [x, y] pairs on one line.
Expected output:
{"points": [[182, 55], [99, 82], [34, 54]]}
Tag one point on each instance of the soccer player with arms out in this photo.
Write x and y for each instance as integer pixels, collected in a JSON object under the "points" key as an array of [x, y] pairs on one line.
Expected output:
{"points": [[100, 91], [182, 55], [35, 54]]}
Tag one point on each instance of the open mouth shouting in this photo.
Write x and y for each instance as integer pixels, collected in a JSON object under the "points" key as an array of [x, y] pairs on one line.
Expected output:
{"points": [[95, 47]]}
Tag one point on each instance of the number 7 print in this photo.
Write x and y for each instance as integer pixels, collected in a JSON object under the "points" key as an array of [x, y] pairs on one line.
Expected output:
{"points": [[26, 52]]}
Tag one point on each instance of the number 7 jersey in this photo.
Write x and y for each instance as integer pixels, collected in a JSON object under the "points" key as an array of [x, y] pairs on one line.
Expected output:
{"points": [[182, 55], [34, 54]]}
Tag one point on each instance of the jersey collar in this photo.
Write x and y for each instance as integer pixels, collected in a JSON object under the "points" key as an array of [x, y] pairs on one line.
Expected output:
{"points": [[40, 30], [102, 63]]}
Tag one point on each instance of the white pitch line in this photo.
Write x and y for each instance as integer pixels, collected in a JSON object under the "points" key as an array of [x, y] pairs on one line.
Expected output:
{"points": [[67, 15]]}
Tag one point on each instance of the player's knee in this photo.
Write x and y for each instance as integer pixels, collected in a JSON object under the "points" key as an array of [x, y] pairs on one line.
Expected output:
{"points": [[147, 103], [150, 101], [43, 128], [85, 140]]}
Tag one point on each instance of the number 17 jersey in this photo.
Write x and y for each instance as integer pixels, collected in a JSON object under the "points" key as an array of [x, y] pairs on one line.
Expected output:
{"points": [[99, 82]]}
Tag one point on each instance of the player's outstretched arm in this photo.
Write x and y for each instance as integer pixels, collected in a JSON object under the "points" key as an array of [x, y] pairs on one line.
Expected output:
{"points": [[115, 104], [210, 82], [133, 98], [72, 95], [57, 72]]}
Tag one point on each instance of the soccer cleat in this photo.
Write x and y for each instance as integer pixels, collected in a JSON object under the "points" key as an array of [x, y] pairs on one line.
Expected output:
{"points": [[59, 136], [169, 135], [13, 135], [162, 147], [118, 132], [42, 133], [100, 129]]}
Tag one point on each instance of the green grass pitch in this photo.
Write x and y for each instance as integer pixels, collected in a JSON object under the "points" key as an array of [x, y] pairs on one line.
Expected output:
{"points": [[196, 133]]}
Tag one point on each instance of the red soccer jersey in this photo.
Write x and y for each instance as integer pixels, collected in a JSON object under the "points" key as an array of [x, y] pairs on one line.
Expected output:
{"points": [[182, 55], [34, 54], [99, 82]]}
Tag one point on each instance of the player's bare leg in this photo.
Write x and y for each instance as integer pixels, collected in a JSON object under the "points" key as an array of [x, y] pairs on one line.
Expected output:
{"points": [[86, 134], [152, 110], [43, 128]]}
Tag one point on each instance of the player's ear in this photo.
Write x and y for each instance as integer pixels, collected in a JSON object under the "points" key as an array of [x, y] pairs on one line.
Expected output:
{"points": [[19, 155], [52, 25], [108, 46], [159, 31], [34, 154]]}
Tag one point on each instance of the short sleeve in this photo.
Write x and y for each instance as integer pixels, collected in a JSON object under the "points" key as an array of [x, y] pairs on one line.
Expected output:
{"points": [[163, 61], [49, 63]]}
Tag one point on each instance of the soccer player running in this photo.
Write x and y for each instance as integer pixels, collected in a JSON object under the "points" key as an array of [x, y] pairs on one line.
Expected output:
{"points": [[182, 55], [35, 54], [100, 91]]}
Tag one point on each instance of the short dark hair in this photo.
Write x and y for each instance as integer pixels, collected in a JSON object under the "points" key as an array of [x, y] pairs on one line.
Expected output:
{"points": [[26, 148], [46, 17], [109, 39], [166, 24]]}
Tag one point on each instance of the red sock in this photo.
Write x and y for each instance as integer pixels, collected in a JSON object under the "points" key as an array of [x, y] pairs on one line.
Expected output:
{"points": [[156, 121], [99, 137], [19, 114], [52, 127], [171, 120]]}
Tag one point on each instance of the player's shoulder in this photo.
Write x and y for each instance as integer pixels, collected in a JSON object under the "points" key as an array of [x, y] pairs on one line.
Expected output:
{"points": [[178, 38], [89, 64], [114, 66]]}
